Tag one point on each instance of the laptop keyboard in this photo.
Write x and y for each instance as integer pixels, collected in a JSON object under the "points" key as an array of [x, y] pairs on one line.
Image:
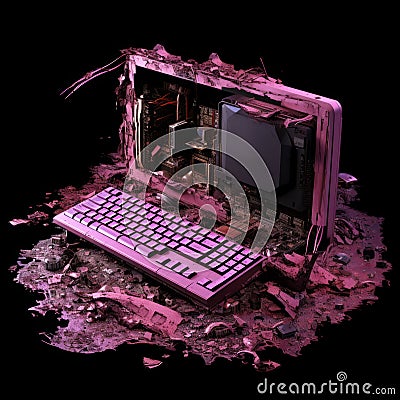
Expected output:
{"points": [[202, 265]]}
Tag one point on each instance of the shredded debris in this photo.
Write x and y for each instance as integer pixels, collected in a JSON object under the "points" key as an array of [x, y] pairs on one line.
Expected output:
{"points": [[104, 303]]}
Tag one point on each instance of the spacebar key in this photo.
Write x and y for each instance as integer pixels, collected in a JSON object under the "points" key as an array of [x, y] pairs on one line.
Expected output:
{"points": [[105, 230], [145, 251], [220, 281], [128, 242]]}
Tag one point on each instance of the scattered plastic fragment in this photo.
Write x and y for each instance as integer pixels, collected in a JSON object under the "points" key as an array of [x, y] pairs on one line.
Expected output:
{"points": [[342, 258]]}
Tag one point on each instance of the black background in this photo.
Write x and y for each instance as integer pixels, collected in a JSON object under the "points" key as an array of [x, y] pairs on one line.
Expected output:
{"points": [[48, 142]]}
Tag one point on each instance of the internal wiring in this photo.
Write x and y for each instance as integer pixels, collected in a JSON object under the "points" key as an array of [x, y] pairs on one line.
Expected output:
{"points": [[308, 238], [91, 75], [317, 240]]}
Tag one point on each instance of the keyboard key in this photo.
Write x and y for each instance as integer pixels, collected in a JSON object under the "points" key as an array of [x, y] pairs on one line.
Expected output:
{"points": [[230, 263], [222, 259], [223, 249], [168, 234], [105, 230], [173, 227], [157, 219], [98, 200], [172, 244], [118, 218], [135, 236], [79, 216], [128, 232], [190, 234], [116, 192], [184, 241], [132, 225], [212, 235], [119, 202], [130, 216], [70, 213], [150, 215], [180, 268], [239, 267], [214, 264], [81, 208], [230, 253], [222, 280], [206, 260], [110, 214], [204, 231], [214, 255], [143, 239], [115, 208], [95, 225], [152, 243], [153, 226], [156, 236], [254, 256], [172, 264], [247, 261], [120, 228], [164, 240], [189, 252], [203, 281], [222, 269], [189, 273], [148, 232], [181, 230], [105, 195], [146, 251], [113, 224], [238, 257], [86, 221], [198, 247], [210, 243], [134, 208], [160, 229], [198, 238], [137, 218], [163, 260], [161, 248], [112, 199]]}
